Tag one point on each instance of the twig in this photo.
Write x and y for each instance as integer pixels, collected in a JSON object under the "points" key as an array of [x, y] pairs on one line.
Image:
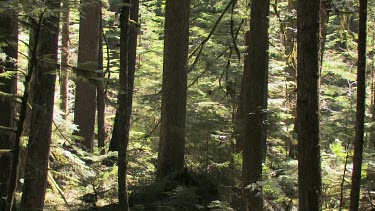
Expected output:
{"points": [[199, 48], [53, 181]]}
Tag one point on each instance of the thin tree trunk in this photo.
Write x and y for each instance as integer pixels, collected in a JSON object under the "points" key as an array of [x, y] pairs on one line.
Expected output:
{"points": [[9, 29], [173, 110], [308, 69], [132, 54], [42, 113], [255, 105], [100, 95], [64, 75], [122, 126], [361, 107], [88, 51]]}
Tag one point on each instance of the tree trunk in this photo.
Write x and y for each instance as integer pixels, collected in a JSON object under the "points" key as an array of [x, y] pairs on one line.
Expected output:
{"points": [[132, 54], [240, 115], [361, 106], [308, 69], [255, 105], [100, 94], [42, 110], [64, 74], [173, 110], [88, 51], [8, 29]]}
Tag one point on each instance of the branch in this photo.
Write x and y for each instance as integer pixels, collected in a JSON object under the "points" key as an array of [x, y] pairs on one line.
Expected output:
{"points": [[199, 48]]}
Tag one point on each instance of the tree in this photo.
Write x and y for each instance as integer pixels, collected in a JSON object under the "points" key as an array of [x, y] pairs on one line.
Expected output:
{"points": [[8, 40], [100, 93], [42, 109], [361, 107], [255, 105], [88, 51], [121, 129], [132, 54], [64, 74], [308, 69], [173, 109]]}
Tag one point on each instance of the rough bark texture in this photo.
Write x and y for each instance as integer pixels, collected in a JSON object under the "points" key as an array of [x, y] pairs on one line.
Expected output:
{"points": [[42, 111], [255, 105], [309, 167], [64, 74], [361, 108], [8, 29], [173, 110], [88, 51]]}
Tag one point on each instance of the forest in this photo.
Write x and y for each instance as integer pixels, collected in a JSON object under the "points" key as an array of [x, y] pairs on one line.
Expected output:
{"points": [[184, 105]]}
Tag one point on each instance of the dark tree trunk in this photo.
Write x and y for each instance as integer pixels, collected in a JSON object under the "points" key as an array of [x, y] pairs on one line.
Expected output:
{"points": [[88, 51], [240, 115], [42, 110], [173, 110], [132, 58], [8, 29], [101, 95], [64, 74], [309, 167], [120, 133], [361, 106], [255, 105]]}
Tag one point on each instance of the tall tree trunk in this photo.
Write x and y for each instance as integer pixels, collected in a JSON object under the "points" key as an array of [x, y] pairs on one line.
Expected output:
{"points": [[361, 106], [9, 30], [42, 110], [173, 109], [88, 51], [100, 94], [64, 74], [255, 105], [132, 58], [308, 69]]}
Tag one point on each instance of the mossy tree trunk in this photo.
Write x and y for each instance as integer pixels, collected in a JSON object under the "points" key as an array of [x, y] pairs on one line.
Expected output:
{"points": [[42, 110]]}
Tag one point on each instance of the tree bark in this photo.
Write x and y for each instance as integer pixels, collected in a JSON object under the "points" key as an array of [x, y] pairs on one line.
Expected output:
{"points": [[64, 74], [42, 110], [361, 108], [88, 51], [240, 115], [255, 105], [8, 29], [308, 69], [173, 109]]}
